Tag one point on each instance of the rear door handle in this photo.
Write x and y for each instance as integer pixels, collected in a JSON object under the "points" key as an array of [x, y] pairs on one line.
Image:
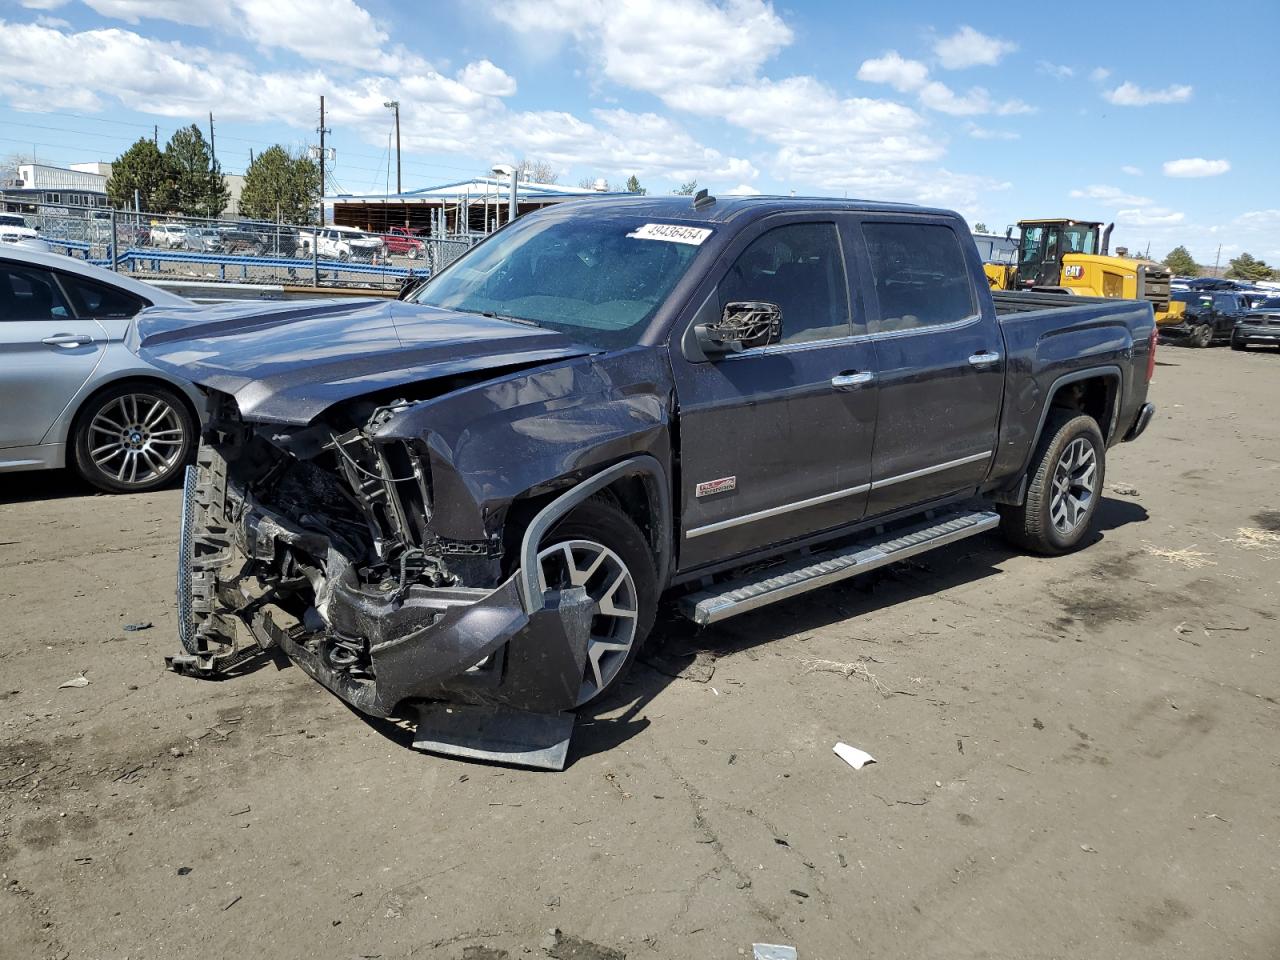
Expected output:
{"points": [[68, 340], [984, 358], [851, 381]]}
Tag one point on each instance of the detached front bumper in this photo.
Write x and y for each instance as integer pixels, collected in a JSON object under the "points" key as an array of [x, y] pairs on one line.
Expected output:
{"points": [[481, 647]]}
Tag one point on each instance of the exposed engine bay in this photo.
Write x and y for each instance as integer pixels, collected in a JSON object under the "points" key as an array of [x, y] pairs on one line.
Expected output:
{"points": [[317, 541]]}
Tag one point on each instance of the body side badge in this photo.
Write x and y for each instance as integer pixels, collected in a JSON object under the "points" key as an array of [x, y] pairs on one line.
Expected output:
{"points": [[708, 487]]}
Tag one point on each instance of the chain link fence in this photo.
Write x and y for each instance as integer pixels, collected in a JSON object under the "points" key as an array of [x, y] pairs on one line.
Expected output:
{"points": [[204, 250]]}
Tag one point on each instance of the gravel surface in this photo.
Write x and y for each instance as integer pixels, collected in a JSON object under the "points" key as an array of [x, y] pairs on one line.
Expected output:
{"points": [[1076, 756]]}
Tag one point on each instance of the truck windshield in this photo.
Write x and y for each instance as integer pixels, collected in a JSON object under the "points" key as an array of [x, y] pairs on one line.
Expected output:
{"points": [[598, 279]]}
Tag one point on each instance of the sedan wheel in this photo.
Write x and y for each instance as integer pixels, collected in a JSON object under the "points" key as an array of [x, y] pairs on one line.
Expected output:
{"points": [[133, 439]]}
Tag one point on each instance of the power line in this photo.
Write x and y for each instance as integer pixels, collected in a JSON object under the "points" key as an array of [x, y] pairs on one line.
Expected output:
{"points": [[377, 158]]}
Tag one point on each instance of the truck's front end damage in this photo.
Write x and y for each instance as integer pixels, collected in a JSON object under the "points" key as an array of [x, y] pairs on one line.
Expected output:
{"points": [[318, 541]]}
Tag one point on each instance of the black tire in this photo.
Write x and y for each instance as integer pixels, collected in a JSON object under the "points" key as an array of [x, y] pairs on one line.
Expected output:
{"points": [[162, 457], [1238, 344], [1032, 526], [600, 522], [1201, 336]]}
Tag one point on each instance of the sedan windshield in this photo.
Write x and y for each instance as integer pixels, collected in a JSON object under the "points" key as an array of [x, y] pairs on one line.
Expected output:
{"points": [[598, 279]]}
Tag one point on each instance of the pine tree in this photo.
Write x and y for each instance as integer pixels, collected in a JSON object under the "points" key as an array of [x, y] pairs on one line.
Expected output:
{"points": [[633, 186], [1180, 261], [279, 182], [141, 168]]}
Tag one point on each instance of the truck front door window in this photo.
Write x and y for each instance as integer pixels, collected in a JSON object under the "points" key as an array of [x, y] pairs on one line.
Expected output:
{"points": [[920, 276], [799, 268]]}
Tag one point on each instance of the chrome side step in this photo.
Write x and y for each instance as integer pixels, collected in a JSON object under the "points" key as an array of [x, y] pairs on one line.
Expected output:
{"points": [[800, 576]]}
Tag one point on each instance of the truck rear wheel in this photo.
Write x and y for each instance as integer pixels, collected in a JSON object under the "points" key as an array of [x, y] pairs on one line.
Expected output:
{"points": [[1064, 485], [599, 548]]}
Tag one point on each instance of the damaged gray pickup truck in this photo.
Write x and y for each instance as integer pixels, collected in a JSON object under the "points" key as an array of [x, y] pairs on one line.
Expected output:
{"points": [[467, 505]]}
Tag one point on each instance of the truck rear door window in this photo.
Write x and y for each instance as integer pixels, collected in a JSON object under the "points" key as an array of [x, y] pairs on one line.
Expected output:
{"points": [[920, 275], [798, 267]]}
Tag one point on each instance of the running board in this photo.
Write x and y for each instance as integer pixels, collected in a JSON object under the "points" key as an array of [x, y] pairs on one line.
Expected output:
{"points": [[733, 597]]}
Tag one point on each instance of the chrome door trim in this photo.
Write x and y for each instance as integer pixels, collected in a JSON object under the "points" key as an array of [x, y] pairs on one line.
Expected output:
{"points": [[925, 471], [774, 511], [984, 359], [828, 497]]}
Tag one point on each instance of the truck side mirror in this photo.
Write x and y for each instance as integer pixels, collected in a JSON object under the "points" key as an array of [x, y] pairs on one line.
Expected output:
{"points": [[742, 325]]}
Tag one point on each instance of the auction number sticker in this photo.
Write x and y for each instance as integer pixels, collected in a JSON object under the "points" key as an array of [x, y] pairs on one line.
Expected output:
{"points": [[671, 232]]}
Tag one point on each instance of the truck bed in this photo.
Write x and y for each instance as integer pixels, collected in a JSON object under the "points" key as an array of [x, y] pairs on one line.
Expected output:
{"points": [[1016, 301]]}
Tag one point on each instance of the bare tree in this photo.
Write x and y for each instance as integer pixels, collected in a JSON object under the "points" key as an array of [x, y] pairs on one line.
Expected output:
{"points": [[9, 166], [536, 171], [594, 183]]}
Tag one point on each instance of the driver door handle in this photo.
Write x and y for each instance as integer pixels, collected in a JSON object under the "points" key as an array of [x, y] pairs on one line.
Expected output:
{"points": [[851, 381], [983, 358], [68, 340]]}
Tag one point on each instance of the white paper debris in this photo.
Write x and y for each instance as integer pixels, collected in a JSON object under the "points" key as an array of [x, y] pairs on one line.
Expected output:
{"points": [[80, 681], [772, 951], [853, 756]]}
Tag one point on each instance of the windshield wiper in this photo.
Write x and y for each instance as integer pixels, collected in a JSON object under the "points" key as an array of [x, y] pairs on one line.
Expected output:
{"points": [[502, 316]]}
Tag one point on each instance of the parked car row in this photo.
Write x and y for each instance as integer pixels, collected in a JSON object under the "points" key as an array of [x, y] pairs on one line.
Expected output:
{"points": [[1226, 316]]}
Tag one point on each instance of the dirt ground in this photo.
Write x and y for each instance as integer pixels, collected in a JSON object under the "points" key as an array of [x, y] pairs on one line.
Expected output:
{"points": [[1077, 757]]}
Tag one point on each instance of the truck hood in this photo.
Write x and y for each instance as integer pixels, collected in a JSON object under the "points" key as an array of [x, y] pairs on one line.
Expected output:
{"points": [[288, 362]]}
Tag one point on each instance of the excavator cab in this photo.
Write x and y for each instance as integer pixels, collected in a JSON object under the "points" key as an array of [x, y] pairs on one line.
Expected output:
{"points": [[1042, 244]]}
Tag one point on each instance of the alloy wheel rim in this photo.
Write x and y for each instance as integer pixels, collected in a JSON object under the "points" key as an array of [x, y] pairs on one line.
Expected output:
{"points": [[136, 439], [1074, 486], [615, 609]]}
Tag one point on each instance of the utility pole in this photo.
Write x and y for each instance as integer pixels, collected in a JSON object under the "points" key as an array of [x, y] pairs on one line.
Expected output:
{"points": [[213, 161], [395, 105], [323, 131], [1217, 259]]}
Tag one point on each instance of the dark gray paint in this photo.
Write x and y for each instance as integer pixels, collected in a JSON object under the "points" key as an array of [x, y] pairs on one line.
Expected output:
{"points": [[506, 414]]}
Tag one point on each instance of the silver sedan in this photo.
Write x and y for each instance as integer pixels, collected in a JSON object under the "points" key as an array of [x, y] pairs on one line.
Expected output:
{"points": [[71, 393]]}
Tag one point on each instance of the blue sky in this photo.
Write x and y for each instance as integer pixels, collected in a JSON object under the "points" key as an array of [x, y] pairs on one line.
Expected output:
{"points": [[1164, 119]]}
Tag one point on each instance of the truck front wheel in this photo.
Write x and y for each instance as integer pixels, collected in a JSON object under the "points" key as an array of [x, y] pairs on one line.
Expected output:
{"points": [[599, 549], [1064, 485]]}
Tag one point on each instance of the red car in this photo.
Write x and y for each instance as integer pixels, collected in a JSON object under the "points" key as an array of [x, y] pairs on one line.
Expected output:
{"points": [[401, 241]]}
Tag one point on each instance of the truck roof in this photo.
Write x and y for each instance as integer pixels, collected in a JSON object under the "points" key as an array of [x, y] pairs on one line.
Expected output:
{"points": [[725, 209]]}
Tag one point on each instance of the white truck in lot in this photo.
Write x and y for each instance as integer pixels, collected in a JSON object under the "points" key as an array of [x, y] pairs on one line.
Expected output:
{"points": [[345, 243]]}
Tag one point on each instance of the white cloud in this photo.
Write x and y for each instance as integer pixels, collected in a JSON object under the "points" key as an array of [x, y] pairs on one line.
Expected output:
{"points": [[1099, 74], [1195, 167], [1149, 217], [1131, 170], [1131, 95], [743, 190], [901, 74], [659, 45], [484, 77], [439, 114], [44, 4], [1111, 196], [969, 48], [338, 31], [705, 57], [938, 96], [1057, 70], [983, 133]]}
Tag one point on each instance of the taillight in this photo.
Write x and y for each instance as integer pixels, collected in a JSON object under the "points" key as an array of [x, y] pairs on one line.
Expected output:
{"points": [[1151, 353]]}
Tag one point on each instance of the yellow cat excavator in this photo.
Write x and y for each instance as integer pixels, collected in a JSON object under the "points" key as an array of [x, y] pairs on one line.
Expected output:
{"points": [[1058, 255]]}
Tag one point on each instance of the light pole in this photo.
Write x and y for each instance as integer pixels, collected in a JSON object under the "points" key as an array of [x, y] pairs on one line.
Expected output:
{"points": [[395, 105], [507, 170]]}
